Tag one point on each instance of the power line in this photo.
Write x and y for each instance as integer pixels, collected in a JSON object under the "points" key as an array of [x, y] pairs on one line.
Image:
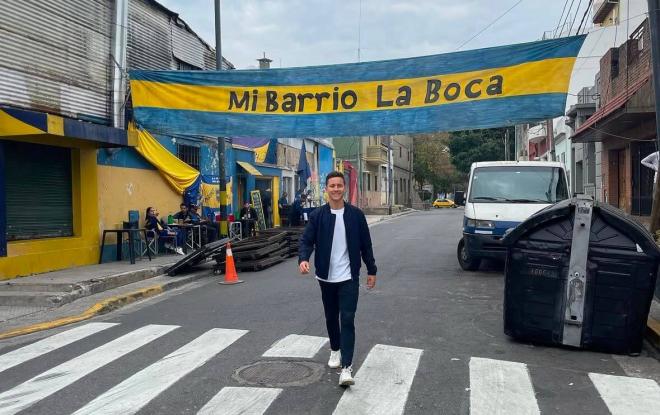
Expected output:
{"points": [[584, 16], [577, 10], [560, 17], [566, 18], [489, 25]]}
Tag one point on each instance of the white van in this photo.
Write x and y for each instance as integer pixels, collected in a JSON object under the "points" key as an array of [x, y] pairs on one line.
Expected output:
{"points": [[502, 194]]}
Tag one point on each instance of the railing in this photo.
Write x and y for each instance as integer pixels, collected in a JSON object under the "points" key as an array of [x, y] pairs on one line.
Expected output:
{"points": [[376, 154]]}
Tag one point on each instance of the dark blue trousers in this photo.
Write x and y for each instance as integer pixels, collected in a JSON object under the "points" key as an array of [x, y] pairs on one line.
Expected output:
{"points": [[339, 304]]}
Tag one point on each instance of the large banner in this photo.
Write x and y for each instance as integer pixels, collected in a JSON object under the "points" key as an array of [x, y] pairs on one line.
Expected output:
{"points": [[456, 91]]}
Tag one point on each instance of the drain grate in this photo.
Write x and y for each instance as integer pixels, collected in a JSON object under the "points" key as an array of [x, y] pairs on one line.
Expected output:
{"points": [[279, 373]]}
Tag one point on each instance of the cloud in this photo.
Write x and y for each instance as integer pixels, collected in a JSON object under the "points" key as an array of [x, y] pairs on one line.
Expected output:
{"points": [[318, 32]]}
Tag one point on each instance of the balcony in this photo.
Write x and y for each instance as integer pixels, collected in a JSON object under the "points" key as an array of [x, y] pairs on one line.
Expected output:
{"points": [[602, 9], [537, 133], [376, 154]]}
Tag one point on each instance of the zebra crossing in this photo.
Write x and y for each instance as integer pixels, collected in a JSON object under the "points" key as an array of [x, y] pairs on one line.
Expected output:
{"points": [[384, 379]]}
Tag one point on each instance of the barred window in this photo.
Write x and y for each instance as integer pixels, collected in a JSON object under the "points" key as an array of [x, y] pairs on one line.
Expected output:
{"points": [[188, 154]]}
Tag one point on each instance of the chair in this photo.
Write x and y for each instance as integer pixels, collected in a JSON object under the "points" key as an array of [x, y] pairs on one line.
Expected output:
{"points": [[153, 241], [138, 243], [235, 231]]}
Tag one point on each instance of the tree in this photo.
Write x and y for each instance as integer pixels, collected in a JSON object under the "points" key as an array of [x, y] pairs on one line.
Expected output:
{"points": [[467, 147], [432, 162]]}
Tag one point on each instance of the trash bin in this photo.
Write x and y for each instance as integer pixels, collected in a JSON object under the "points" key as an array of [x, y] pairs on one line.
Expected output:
{"points": [[580, 273]]}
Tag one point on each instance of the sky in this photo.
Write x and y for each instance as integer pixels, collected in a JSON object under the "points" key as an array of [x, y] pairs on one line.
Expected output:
{"points": [[319, 32]]}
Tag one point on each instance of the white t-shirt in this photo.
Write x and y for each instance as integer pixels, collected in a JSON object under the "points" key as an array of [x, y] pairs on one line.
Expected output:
{"points": [[340, 264]]}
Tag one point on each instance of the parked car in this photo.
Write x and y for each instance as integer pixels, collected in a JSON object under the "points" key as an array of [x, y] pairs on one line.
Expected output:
{"points": [[444, 203], [501, 195]]}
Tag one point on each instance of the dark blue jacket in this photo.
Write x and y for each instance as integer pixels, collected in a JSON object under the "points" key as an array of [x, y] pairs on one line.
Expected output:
{"points": [[318, 237]]}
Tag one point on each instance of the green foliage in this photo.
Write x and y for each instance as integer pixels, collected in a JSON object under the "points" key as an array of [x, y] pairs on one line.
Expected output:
{"points": [[467, 147], [432, 162]]}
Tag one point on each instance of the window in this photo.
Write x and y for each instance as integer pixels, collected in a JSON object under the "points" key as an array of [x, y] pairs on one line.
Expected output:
{"points": [[614, 68], [591, 163], [375, 182], [368, 182], [185, 66], [400, 152], [188, 154], [518, 185]]}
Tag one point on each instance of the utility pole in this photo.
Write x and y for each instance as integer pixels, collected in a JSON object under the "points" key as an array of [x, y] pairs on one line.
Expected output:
{"points": [[654, 26], [222, 182], [390, 171]]}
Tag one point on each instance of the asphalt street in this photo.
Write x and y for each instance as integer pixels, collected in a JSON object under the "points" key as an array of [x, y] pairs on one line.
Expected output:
{"points": [[441, 348]]}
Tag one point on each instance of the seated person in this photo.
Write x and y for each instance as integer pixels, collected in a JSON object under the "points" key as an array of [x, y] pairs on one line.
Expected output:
{"points": [[183, 214], [248, 219], [210, 227], [153, 223]]}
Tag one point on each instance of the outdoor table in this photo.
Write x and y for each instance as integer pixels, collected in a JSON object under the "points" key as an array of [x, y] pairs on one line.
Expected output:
{"points": [[190, 236], [131, 243]]}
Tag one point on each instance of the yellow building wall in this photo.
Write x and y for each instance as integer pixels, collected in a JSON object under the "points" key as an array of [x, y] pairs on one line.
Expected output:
{"points": [[42, 255], [122, 189]]}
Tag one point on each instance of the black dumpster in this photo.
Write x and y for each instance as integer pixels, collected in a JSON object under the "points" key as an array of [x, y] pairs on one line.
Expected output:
{"points": [[580, 273]]}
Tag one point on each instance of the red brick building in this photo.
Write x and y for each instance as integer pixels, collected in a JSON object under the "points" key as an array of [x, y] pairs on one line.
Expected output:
{"points": [[624, 123]]}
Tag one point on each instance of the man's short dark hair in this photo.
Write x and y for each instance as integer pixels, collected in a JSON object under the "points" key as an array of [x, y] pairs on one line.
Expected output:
{"points": [[183, 205], [334, 174]]}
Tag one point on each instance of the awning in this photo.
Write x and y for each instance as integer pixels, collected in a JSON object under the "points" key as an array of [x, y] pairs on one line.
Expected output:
{"points": [[17, 122], [613, 111], [249, 168]]}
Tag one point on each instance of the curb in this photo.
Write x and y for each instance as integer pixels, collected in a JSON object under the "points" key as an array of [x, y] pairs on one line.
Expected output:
{"points": [[385, 218], [105, 306], [653, 332]]}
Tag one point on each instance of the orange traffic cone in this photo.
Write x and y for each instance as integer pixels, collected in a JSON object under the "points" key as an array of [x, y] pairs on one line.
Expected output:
{"points": [[231, 277]]}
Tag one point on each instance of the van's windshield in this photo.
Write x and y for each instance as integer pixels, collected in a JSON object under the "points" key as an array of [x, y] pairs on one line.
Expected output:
{"points": [[518, 184]]}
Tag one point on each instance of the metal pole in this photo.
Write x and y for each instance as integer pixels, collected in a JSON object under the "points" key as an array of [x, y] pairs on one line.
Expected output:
{"points": [[390, 173], [654, 26], [222, 181]]}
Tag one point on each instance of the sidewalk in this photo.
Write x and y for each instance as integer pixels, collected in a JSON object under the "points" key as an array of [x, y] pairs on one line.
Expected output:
{"points": [[372, 219], [40, 294]]}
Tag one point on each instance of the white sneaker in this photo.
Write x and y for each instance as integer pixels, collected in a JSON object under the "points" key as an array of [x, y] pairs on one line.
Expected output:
{"points": [[346, 376], [335, 359], [179, 251]]}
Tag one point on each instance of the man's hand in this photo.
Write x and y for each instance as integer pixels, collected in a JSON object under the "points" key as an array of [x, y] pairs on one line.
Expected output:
{"points": [[304, 267], [371, 282]]}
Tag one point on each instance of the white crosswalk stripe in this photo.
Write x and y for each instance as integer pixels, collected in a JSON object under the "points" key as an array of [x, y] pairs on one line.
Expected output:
{"points": [[296, 345], [382, 383], [240, 401], [500, 387], [132, 394], [51, 381], [625, 395], [41, 347]]}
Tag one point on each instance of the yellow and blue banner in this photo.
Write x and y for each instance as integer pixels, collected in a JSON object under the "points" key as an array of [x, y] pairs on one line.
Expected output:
{"points": [[475, 89]]}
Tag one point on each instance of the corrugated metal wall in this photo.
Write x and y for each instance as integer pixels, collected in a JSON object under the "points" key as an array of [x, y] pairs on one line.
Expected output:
{"points": [[186, 46], [149, 37], [55, 56]]}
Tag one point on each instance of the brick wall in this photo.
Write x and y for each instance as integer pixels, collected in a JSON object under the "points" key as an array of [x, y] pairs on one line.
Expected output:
{"points": [[633, 64]]}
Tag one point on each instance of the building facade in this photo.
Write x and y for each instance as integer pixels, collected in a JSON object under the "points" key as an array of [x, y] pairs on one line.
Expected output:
{"points": [[378, 164], [624, 124], [67, 159]]}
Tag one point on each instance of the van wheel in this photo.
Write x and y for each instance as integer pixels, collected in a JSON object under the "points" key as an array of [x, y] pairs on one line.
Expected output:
{"points": [[466, 262]]}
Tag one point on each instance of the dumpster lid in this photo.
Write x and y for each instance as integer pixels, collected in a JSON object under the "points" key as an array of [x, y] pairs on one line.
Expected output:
{"points": [[638, 233]]}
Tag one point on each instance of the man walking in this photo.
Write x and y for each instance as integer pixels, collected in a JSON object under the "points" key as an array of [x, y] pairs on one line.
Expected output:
{"points": [[339, 234]]}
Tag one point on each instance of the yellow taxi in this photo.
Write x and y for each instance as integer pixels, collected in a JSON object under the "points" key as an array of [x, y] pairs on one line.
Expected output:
{"points": [[444, 203]]}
